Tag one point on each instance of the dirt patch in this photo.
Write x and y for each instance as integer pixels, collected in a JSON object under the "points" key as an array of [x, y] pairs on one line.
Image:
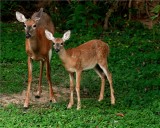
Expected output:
{"points": [[61, 94]]}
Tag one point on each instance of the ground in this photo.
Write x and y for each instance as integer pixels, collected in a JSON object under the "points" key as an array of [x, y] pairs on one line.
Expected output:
{"points": [[61, 94]]}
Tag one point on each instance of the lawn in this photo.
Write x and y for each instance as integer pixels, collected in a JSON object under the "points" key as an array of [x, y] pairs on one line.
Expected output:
{"points": [[134, 61]]}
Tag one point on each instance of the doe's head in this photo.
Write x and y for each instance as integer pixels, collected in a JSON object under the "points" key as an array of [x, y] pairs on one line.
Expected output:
{"points": [[29, 24], [58, 43]]}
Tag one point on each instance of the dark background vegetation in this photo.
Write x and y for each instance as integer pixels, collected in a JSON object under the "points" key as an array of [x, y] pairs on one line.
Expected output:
{"points": [[78, 14], [132, 30]]}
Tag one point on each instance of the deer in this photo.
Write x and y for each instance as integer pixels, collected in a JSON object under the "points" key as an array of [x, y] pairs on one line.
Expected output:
{"points": [[90, 55], [38, 48]]}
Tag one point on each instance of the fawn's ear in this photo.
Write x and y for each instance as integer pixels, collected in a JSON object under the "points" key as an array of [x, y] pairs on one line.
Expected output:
{"points": [[20, 17], [49, 35], [66, 35]]}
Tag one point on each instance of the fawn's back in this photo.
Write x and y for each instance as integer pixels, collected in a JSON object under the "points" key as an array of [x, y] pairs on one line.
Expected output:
{"points": [[87, 55]]}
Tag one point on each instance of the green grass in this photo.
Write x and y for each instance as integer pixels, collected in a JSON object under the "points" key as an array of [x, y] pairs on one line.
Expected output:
{"points": [[134, 61]]}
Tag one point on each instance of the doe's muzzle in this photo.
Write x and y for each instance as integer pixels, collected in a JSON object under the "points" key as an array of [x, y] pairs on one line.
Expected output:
{"points": [[28, 35]]}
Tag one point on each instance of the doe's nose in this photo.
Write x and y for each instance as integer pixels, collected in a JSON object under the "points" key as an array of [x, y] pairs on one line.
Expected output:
{"points": [[28, 35]]}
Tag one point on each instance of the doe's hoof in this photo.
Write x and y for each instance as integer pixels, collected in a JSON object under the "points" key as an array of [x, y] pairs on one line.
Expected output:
{"points": [[37, 96]]}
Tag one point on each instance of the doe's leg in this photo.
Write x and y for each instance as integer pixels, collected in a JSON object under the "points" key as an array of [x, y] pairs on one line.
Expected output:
{"points": [[26, 102], [39, 91]]}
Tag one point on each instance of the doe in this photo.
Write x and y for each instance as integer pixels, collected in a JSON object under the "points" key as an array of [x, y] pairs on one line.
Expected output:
{"points": [[92, 54], [38, 48]]}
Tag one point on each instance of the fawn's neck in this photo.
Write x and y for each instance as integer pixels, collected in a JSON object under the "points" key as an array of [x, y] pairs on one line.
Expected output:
{"points": [[64, 56]]}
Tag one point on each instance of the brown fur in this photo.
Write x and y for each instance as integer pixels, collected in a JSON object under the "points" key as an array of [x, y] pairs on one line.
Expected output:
{"points": [[92, 54], [37, 48]]}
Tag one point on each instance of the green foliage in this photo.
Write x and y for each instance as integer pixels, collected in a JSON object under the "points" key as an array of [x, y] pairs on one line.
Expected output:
{"points": [[8, 11], [11, 37], [134, 62], [83, 17], [156, 10], [9, 7], [78, 16], [93, 114]]}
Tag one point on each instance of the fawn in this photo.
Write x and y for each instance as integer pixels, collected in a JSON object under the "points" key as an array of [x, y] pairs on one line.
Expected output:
{"points": [[38, 48], [90, 55]]}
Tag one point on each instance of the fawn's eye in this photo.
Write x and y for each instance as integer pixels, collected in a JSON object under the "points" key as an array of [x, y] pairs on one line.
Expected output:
{"points": [[62, 43]]}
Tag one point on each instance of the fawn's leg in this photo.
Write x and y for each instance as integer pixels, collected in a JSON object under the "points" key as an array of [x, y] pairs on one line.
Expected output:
{"points": [[52, 99], [78, 79], [71, 77], [104, 67], [99, 71], [26, 102], [39, 91]]}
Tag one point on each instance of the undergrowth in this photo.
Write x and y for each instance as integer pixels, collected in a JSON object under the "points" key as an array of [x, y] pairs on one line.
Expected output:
{"points": [[134, 61]]}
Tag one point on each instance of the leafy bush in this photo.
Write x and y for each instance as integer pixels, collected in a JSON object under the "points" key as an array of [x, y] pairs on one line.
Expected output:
{"points": [[156, 10], [83, 17]]}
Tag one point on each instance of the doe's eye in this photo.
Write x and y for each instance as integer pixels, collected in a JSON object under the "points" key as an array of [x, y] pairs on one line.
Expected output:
{"points": [[34, 25], [24, 25], [62, 43]]}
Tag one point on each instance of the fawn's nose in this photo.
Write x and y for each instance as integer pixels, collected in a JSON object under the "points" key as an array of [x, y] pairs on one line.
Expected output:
{"points": [[57, 50]]}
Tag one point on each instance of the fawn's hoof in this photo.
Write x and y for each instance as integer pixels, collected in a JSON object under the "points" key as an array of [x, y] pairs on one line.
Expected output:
{"points": [[100, 99], [69, 106], [78, 108], [25, 107], [53, 100], [113, 101]]}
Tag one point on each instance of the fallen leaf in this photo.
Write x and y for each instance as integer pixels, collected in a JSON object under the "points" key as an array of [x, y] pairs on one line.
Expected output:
{"points": [[120, 114]]}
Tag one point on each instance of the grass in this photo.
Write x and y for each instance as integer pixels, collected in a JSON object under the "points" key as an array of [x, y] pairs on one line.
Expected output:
{"points": [[134, 62]]}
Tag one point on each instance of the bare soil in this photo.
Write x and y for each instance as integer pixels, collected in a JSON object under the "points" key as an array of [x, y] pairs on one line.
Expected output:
{"points": [[61, 94]]}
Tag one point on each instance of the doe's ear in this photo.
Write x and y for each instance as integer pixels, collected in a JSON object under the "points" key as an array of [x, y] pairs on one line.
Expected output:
{"points": [[37, 15], [49, 35], [40, 12], [66, 35], [20, 17]]}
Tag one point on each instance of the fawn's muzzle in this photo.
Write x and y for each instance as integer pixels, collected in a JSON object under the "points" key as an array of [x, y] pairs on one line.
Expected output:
{"points": [[57, 50]]}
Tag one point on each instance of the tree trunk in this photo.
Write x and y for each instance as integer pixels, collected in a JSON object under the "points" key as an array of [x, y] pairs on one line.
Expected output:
{"points": [[108, 14], [129, 6]]}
